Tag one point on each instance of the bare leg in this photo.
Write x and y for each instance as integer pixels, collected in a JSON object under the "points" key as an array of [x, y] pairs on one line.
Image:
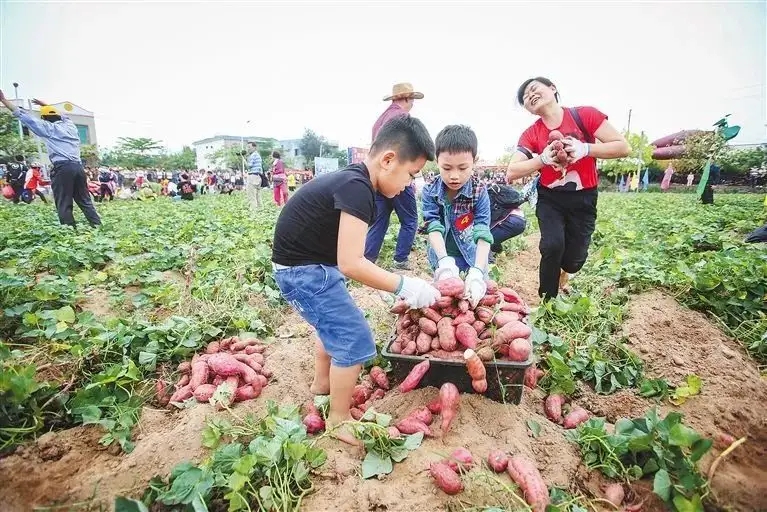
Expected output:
{"points": [[321, 384], [342, 381]]}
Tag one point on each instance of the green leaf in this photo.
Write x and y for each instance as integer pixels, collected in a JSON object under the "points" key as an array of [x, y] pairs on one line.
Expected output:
{"points": [[398, 453], [534, 427], [147, 358], [295, 451], [65, 314], [700, 448], [413, 441], [129, 505], [682, 504], [662, 485], [210, 437], [237, 481], [375, 465], [682, 435]]}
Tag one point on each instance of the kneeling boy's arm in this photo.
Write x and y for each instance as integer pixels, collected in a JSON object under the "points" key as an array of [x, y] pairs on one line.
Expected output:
{"points": [[351, 256], [482, 235], [434, 227]]}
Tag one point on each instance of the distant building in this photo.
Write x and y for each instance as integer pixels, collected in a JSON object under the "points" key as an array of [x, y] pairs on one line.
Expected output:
{"points": [[205, 148], [83, 119]]}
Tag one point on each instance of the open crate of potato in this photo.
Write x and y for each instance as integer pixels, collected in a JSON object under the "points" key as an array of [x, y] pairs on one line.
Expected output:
{"points": [[496, 329]]}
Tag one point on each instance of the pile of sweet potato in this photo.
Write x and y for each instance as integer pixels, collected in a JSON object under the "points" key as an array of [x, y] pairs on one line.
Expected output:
{"points": [[237, 364], [496, 329], [372, 387]]}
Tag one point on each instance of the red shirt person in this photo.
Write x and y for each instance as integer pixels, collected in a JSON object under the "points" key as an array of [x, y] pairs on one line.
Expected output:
{"points": [[404, 204], [567, 191]]}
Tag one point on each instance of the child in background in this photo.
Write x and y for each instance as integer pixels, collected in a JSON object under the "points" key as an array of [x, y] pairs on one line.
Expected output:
{"points": [[456, 213], [186, 188], [292, 183], [333, 211], [35, 179]]}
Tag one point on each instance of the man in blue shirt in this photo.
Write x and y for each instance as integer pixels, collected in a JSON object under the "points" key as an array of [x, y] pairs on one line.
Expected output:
{"points": [[256, 177], [68, 180]]}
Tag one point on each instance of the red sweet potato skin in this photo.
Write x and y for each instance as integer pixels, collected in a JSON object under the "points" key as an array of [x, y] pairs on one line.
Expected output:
{"points": [[422, 414], [519, 350], [449, 399], [379, 377], [247, 392], [445, 478], [452, 287], [184, 367], [446, 333], [498, 461], [614, 493], [462, 456], [181, 394], [431, 314], [413, 426], [427, 326], [314, 423], [199, 374], [399, 307], [575, 417], [224, 364], [213, 347], [526, 475], [435, 407], [553, 407], [423, 342], [532, 374], [203, 392], [504, 317], [464, 318], [414, 377]]}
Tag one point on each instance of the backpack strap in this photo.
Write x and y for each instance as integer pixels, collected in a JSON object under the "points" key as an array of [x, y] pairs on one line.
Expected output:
{"points": [[579, 122]]}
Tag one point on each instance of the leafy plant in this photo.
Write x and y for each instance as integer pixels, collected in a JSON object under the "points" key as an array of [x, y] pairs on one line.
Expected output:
{"points": [[664, 448], [381, 450]]}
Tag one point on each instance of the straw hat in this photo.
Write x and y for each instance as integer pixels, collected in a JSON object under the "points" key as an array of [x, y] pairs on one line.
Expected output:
{"points": [[403, 90]]}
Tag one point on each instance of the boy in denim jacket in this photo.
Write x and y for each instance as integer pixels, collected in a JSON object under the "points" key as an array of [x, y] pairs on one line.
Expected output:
{"points": [[456, 213]]}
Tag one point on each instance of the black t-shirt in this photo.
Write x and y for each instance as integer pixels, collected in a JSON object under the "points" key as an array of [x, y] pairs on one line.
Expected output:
{"points": [[186, 190], [16, 173], [307, 228]]}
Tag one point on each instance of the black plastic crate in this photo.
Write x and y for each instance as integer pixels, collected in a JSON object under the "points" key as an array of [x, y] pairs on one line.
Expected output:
{"points": [[505, 379]]}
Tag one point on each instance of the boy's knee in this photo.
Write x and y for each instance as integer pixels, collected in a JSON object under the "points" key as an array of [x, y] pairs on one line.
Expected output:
{"points": [[551, 246]]}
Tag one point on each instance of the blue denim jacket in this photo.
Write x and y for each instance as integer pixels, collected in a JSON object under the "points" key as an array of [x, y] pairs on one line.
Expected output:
{"points": [[442, 216]]}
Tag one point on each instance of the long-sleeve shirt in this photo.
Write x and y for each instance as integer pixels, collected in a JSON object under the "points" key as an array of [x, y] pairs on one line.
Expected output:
{"points": [[255, 164], [390, 113], [61, 138]]}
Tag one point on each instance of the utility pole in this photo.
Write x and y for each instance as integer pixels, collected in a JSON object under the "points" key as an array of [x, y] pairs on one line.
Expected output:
{"points": [[628, 128]]}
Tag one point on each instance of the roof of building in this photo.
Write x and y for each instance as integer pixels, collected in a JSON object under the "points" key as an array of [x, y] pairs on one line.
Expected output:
{"points": [[233, 138], [65, 106]]}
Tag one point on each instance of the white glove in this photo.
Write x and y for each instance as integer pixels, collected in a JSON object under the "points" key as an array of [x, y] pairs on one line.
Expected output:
{"points": [[474, 286], [417, 292], [446, 268], [547, 155], [575, 149]]}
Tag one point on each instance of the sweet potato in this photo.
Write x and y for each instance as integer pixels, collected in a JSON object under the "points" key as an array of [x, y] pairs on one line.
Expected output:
{"points": [[446, 333], [183, 381], [225, 343], [555, 135], [614, 493], [249, 360], [503, 350], [262, 380], [511, 296], [252, 349], [257, 348], [427, 326], [377, 395], [478, 326], [444, 354], [524, 473], [402, 323], [445, 478], [464, 305], [218, 380], [247, 392], [356, 413], [498, 461], [463, 457], [431, 314], [474, 365], [511, 306], [161, 392], [452, 287], [399, 307], [422, 414], [519, 350], [414, 377], [489, 300], [259, 358], [410, 349], [486, 334], [379, 377], [396, 348], [203, 392], [512, 331], [486, 354], [491, 286], [181, 394], [575, 417], [394, 432], [314, 422], [224, 364], [723, 440], [435, 343], [483, 313], [553, 407], [413, 426], [466, 335], [443, 302], [184, 367], [450, 311], [435, 407], [415, 315], [213, 347], [532, 374], [238, 346], [422, 343], [199, 374], [504, 317], [361, 394], [464, 318], [266, 372], [449, 402]]}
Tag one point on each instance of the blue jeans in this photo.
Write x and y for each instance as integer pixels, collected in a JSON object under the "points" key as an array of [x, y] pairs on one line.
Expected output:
{"points": [[404, 205], [318, 293], [508, 228]]}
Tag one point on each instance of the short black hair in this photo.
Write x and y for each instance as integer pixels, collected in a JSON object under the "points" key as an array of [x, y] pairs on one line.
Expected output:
{"points": [[545, 81], [19, 158], [252, 143], [275, 154], [407, 136], [456, 138], [51, 118]]}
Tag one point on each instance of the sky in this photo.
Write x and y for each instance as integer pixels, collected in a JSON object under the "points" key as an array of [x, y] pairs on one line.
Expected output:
{"points": [[180, 72]]}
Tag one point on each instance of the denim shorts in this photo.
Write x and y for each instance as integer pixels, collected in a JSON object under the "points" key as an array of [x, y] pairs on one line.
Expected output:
{"points": [[318, 293]]}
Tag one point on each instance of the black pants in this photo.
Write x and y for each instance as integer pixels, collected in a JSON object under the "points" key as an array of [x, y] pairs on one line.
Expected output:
{"points": [[17, 190], [41, 196], [708, 195], [567, 220], [69, 184]]}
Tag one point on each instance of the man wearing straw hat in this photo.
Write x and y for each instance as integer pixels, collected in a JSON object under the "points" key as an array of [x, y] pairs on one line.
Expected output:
{"points": [[402, 98]]}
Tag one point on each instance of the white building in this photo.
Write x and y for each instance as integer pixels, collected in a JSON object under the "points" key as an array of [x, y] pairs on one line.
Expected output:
{"points": [[205, 148]]}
